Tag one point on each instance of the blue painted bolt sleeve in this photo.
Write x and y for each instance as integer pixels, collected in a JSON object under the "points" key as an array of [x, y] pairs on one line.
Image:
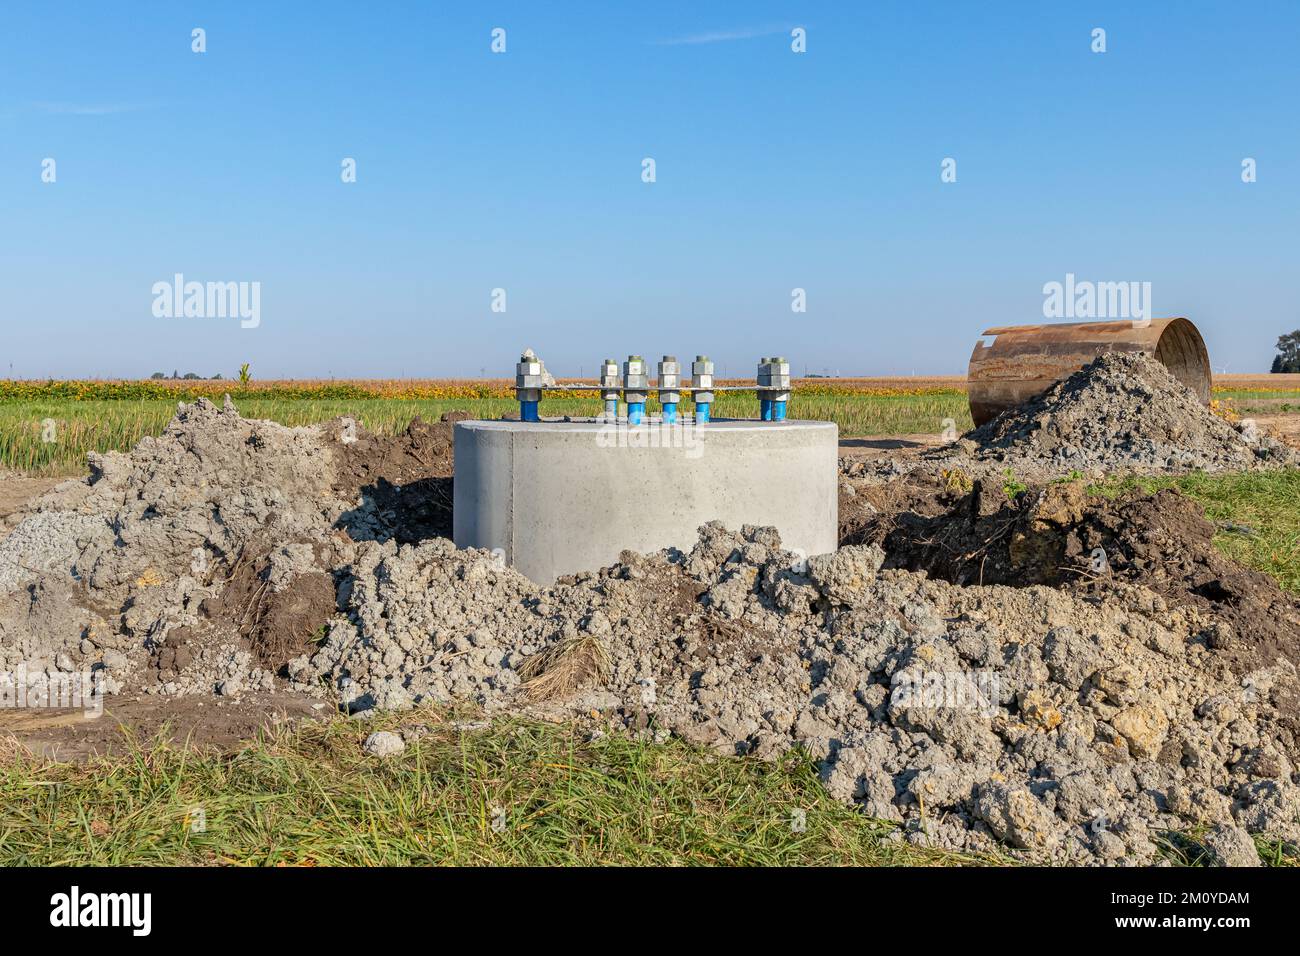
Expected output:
{"points": [[778, 411], [611, 410], [635, 411], [670, 413], [702, 412], [765, 407], [528, 412]]}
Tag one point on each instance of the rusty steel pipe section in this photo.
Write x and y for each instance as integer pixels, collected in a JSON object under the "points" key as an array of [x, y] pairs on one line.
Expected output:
{"points": [[1025, 360]]}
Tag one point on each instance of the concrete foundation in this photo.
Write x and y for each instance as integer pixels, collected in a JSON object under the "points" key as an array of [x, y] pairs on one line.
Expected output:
{"points": [[562, 497]]}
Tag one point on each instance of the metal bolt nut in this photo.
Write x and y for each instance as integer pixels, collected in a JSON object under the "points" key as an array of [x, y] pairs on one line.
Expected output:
{"points": [[774, 374], [529, 380], [702, 379], [609, 374], [670, 379], [634, 374]]}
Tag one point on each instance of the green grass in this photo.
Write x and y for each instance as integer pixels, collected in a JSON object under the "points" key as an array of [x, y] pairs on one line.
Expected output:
{"points": [[1262, 507], [80, 427], [1249, 402], [104, 425], [311, 798], [1251, 394], [308, 797]]}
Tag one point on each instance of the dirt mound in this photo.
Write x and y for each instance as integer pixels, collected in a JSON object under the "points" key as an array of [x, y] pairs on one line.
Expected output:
{"points": [[1124, 409], [133, 552], [1070, 728], [206, 558], [1059, 535], [1123, 412]]}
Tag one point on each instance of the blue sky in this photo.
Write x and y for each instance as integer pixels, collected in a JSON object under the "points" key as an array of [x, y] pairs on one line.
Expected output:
{"points": [[522, 171]]}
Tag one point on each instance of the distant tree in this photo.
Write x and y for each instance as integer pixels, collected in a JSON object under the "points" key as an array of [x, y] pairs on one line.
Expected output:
{"points": [[217, 377], [176, 373], [158, 375], [1288, 353], [191, 375]]}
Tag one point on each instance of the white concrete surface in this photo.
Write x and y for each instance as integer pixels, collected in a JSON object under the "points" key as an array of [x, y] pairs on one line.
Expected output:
{"points": [[562, 497]]}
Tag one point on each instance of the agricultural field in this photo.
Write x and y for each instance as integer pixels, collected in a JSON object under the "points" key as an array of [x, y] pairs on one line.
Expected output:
{"points": [[47, 428], [112, 416]]}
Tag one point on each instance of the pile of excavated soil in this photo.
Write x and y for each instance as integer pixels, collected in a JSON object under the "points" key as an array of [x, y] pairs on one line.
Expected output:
{"points": [[1058, 535], [241, 557], [1069, 728], [1124, 411], [207, 557]]}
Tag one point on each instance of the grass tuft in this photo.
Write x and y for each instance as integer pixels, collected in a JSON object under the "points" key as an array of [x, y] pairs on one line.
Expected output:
{"points": [[557, 672]]}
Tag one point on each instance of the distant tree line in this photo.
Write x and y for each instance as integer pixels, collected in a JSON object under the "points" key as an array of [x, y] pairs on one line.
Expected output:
{"points": [[1288, 353], [187, 375]]}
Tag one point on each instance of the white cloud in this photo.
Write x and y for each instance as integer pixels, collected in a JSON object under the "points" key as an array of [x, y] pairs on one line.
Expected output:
{"points": [[89, 109], [722, 36]]}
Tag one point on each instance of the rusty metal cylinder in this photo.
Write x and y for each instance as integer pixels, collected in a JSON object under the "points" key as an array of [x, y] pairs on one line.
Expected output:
{"points": [[1023, 361]]}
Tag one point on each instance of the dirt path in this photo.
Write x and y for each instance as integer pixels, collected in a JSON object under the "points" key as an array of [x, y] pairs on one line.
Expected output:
{"points": [[889, 446], [75, 735], [1285, 427]]}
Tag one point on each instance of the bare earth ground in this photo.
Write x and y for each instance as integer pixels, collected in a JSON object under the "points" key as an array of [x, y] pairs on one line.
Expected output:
{"points": [[881, 446], [1286, 427], [224, 723], [73, 735]]}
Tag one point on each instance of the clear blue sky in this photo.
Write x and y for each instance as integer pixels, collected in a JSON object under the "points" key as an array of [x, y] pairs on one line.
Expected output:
{"points": [[522, 171]]}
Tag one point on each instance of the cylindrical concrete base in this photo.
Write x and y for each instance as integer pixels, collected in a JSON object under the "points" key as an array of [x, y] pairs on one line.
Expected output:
{"points": [[562, 497]]}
